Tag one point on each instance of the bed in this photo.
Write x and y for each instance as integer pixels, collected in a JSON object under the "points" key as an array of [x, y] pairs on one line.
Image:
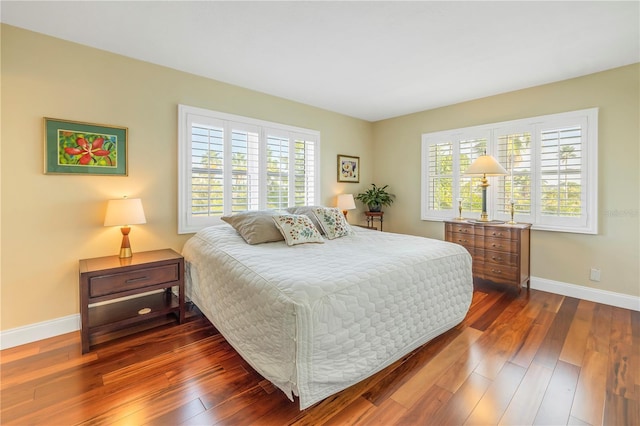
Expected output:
{"points": [[317, 318]]}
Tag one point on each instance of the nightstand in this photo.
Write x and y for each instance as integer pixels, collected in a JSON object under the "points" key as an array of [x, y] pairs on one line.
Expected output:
{"points": [[145, 281], [371, 216]]}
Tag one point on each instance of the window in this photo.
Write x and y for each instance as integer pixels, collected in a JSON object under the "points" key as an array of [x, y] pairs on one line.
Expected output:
{"points": [[552, 171], [229, 164]]}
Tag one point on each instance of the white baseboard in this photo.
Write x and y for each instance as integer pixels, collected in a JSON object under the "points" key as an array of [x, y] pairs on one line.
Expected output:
{"points": [[43, 330], [38, 331], [591, 294]]}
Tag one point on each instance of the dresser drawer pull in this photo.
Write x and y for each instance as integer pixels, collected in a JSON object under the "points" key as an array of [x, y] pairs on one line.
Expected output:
{"points": [[496, 245], [497, 259], [497, 234], [496, 271], [136, 280], [462, 241], [463, 230]]}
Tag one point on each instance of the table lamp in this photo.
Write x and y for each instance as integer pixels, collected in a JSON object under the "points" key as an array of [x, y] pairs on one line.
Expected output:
{"points": [[346, 202], [484, 166], [124, 212]]}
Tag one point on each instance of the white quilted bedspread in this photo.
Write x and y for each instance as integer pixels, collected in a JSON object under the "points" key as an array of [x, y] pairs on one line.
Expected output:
{"points": [[317, 318]]}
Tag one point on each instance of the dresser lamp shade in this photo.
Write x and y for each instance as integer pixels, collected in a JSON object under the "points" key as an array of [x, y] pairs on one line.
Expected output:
{"points": [[484, 166], [124, 212], [346, 202]]}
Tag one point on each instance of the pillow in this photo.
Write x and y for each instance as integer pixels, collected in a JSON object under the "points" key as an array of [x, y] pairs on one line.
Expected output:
{"points": [[255, 227], [297, 229], [308, 211], [332, 222]]}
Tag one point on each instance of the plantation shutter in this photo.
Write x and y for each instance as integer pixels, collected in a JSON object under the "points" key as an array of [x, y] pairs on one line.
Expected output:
{"points": [[562, 174], [304, 171], [469, 190], [438, 174], [228, 164], [278, 163], [515, 155], [552, 171], [244, 154], [207, 169]]}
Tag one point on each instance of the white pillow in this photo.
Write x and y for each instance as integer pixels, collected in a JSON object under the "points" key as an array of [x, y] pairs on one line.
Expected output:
{"points": [[333, 222], [297, 229]]}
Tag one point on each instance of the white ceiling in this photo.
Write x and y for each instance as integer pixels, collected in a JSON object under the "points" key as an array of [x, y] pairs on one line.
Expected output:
{"points": [[371, 60]]}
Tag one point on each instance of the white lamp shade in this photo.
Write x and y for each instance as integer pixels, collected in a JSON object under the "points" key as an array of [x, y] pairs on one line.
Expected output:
{"points": [[125, 211], [486, 165], [346, 202]]}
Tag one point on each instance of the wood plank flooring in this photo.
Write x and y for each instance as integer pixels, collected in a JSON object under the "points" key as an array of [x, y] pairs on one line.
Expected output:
{"points": [[517, 359]]}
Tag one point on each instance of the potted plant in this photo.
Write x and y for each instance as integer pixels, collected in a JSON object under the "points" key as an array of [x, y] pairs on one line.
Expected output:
{"points": [[375, 197]]}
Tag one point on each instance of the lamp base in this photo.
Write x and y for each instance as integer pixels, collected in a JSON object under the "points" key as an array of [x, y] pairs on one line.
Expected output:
{"points": [[125, 247]]}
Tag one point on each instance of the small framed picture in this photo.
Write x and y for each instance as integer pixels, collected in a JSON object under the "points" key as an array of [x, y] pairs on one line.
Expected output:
{"points": [[348, 168], [72, 147]]}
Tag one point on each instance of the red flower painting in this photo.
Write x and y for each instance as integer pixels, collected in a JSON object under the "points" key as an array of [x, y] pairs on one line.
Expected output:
{"points": [[88, 151]]}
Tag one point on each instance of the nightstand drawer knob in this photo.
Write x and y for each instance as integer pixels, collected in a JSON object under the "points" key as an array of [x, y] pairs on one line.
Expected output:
{"points": [[144, 311], [497, 259], [136, 280], [496, 271]]}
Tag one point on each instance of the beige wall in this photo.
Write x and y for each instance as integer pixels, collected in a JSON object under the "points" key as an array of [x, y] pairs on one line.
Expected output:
{"points": [[48, 222], [557, 256], [51, 221]]}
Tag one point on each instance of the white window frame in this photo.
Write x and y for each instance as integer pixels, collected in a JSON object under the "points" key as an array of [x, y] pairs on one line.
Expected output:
{"points": [[586, 222], [188, 115]]}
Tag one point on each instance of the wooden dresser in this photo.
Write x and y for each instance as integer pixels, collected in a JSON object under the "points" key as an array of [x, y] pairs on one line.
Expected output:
{"points": [[500, 252]]}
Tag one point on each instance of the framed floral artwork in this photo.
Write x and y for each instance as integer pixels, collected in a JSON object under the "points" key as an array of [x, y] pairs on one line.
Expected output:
{"points": [[72, 147], [348, 168]]}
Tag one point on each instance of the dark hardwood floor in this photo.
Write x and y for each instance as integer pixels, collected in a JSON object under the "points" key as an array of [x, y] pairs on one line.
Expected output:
{"points": [[517, 359]]}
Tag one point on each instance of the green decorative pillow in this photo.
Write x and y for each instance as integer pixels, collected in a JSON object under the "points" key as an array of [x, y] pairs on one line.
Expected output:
{"points": [[333, 222], [255, 227], [297, 229]]}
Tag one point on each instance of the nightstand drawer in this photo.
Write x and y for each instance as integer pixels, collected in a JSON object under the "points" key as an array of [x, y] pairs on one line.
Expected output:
{"points": [[117, 283]]}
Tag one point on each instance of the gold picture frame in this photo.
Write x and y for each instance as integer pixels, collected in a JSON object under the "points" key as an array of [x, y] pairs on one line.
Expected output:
{"points": [[348, 168], [74, 147]]}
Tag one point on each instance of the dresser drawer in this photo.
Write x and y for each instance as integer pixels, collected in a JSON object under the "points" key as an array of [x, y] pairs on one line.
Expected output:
{"points": [[463, 239], [498, 258], [499, 273], [500, 244], [499, 232], [460, 228], [120, 282]]}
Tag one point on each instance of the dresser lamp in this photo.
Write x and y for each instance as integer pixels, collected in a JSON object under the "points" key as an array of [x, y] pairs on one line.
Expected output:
{"points": [[124, 212], [484, 166], [346, 202]]}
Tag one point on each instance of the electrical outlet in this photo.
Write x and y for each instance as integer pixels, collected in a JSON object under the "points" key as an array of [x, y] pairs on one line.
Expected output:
{"points": [[595, 274]]}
